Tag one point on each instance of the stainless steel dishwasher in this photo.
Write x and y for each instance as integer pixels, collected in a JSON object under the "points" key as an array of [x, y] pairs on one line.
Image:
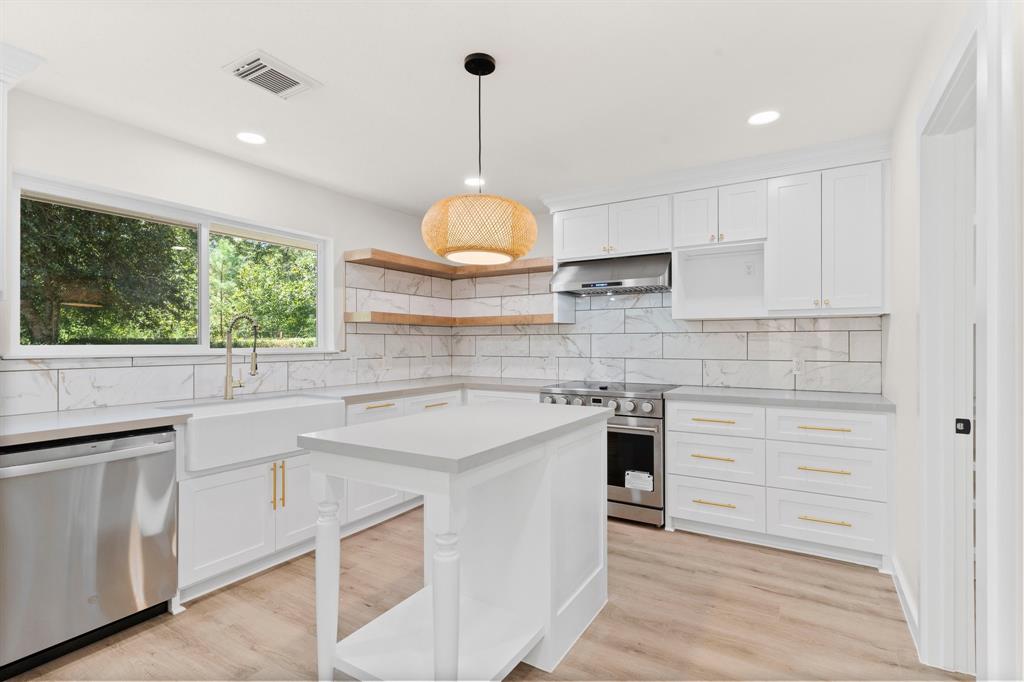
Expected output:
{"points": [[87, 540]]}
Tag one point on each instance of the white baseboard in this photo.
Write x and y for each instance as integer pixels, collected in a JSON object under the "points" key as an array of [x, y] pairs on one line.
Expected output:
{"points": [[907, 603]]}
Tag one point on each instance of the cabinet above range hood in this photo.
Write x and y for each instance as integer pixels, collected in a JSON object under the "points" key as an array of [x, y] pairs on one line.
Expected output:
{"points": [[627, 275]]}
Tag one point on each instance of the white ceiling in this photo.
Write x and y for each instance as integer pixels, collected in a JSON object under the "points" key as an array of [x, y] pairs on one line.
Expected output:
{"points": [[586, 93]]}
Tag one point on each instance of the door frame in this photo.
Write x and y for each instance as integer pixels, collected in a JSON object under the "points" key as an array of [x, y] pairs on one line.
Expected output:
{"points": [[990, 37]]}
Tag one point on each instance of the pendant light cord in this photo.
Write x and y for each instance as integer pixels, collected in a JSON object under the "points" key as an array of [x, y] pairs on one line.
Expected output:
{"points": [[479, 134]]}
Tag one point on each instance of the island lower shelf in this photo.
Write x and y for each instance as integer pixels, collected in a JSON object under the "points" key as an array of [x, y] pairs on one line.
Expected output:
{"points": [[399, 644]]}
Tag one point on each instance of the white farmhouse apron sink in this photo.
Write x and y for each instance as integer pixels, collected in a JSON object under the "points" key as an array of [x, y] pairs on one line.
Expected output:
{"points": [[226, 432]]}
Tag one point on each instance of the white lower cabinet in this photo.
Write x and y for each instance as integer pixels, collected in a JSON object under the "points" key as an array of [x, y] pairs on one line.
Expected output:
{"points": [[364, 499], [296, 511], [725, 458], [827, 520], [735, 505], [813, 480], [231, 518]]}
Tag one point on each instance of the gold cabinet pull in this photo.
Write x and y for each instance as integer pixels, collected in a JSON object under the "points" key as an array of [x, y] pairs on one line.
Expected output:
{"points": [[838, 429], [710, 420], [714, 504], [273, 495], [845, 524], [284, 486], [427, 407], [822, 470], [717, 459], [378, 406]]}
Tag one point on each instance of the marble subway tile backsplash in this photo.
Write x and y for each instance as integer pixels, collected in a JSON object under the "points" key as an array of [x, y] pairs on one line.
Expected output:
{"points": [[621, 338]]}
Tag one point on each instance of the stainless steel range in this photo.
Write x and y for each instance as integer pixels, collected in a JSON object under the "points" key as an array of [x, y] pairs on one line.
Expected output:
{"points": [[636, 443]]}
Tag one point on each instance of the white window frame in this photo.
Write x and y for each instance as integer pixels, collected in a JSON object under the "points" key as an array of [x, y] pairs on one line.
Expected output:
{"points": [[10, 345]]}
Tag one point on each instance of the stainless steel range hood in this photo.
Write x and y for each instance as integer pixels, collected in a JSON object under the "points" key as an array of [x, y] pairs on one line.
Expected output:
{"points": [[626, 275]]}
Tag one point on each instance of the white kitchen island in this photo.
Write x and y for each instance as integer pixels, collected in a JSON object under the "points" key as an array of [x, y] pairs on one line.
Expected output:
{"points": [[515, 551]]}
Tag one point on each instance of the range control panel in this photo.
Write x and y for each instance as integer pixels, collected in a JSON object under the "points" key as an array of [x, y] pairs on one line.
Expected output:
{"points": [[637, 407]]}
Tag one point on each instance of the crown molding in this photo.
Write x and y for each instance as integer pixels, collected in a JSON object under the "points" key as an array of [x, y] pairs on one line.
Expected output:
{"points": [[16, 63], [831, 155]]}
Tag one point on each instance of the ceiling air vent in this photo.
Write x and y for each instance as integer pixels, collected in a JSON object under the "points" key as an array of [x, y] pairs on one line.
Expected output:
{"points": [[271, 74]]}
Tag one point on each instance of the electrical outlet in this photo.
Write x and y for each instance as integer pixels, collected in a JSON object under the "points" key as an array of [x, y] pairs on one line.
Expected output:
{"points": [[798, 366]]}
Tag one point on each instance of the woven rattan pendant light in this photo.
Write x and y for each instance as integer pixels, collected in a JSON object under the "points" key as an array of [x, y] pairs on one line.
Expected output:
{"points": [[479, 229]]}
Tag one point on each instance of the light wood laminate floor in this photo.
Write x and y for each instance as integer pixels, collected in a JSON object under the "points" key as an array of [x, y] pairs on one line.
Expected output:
{"points": [[681, 607]]}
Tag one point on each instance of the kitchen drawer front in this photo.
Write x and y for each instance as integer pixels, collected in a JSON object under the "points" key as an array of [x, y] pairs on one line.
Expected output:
{"points": [[719, 502], [723, 419], [827, 520], [433, 402], [724, 458], [375, 411], [858, 429], [828, 469]]}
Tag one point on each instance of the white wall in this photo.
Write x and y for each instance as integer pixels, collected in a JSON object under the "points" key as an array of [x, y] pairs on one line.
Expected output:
{"points": [[70, 144], [900, 383]]}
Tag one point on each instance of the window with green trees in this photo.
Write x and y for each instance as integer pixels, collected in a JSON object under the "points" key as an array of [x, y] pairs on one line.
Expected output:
{"points": [[274, 283], [90, 275]]}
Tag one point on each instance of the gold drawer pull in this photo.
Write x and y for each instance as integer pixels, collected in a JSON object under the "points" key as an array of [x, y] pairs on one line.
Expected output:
{"points": [[284, 485], [717, 459], [379, 406], [840, 429], [427, 407], [714, 504], [845, 524], [841, 472], [714, 421]]}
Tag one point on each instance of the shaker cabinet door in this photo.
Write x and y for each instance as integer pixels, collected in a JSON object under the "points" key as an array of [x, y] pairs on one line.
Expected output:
{"points": [[852, 237], [741, 211], [641, 226], [792, 253], [695, 217], [581, 233]]}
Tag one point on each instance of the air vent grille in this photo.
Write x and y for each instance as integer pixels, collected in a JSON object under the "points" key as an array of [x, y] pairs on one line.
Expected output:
{"points": [[271, 74]]}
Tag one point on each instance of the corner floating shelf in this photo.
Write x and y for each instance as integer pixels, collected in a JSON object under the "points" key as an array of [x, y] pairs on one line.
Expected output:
{"points": [[443, 321], [421, 266]]}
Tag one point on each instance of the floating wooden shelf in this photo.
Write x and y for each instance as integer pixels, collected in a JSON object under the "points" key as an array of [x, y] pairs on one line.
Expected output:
{"points": [[443, 321], [421, 266]]}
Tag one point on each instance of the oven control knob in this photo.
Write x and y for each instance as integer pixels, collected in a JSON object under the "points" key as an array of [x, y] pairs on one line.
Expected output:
{"points": [[561, 400], [629, 406], [647, 407], [548, 399], [614, 404], [577, 401]]}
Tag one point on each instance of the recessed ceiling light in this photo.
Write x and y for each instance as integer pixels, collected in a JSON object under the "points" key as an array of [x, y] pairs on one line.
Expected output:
{"points": [[475, 182], [763, 118], [251, 138]]}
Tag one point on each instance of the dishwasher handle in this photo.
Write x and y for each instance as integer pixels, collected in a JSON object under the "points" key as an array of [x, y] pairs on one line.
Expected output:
{"points": [[86, 460]]}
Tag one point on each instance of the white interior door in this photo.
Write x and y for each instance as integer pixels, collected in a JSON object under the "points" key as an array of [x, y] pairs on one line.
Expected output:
{"points": [[964, 306]]}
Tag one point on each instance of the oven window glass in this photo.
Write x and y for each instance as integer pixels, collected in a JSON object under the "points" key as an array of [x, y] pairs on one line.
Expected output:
{"points": [[628, 452]]}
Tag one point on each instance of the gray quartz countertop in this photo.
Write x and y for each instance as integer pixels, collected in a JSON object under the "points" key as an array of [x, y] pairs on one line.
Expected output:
{"points": [[823, 400], [47, 426]]}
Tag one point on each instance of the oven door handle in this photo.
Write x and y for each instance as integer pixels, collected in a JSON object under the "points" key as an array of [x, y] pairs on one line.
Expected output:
{"points": [[648, 429]]}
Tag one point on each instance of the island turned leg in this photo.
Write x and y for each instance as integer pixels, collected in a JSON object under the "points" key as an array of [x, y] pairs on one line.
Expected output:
{"points": [[328, 568], [445, 582]]}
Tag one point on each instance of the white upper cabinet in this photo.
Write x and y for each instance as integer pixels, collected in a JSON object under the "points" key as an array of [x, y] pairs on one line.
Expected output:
{"points": [[641, 226], [742, 211], [622, 229], [695, 217], [793, 248], [852, 237], [581, 233]]}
